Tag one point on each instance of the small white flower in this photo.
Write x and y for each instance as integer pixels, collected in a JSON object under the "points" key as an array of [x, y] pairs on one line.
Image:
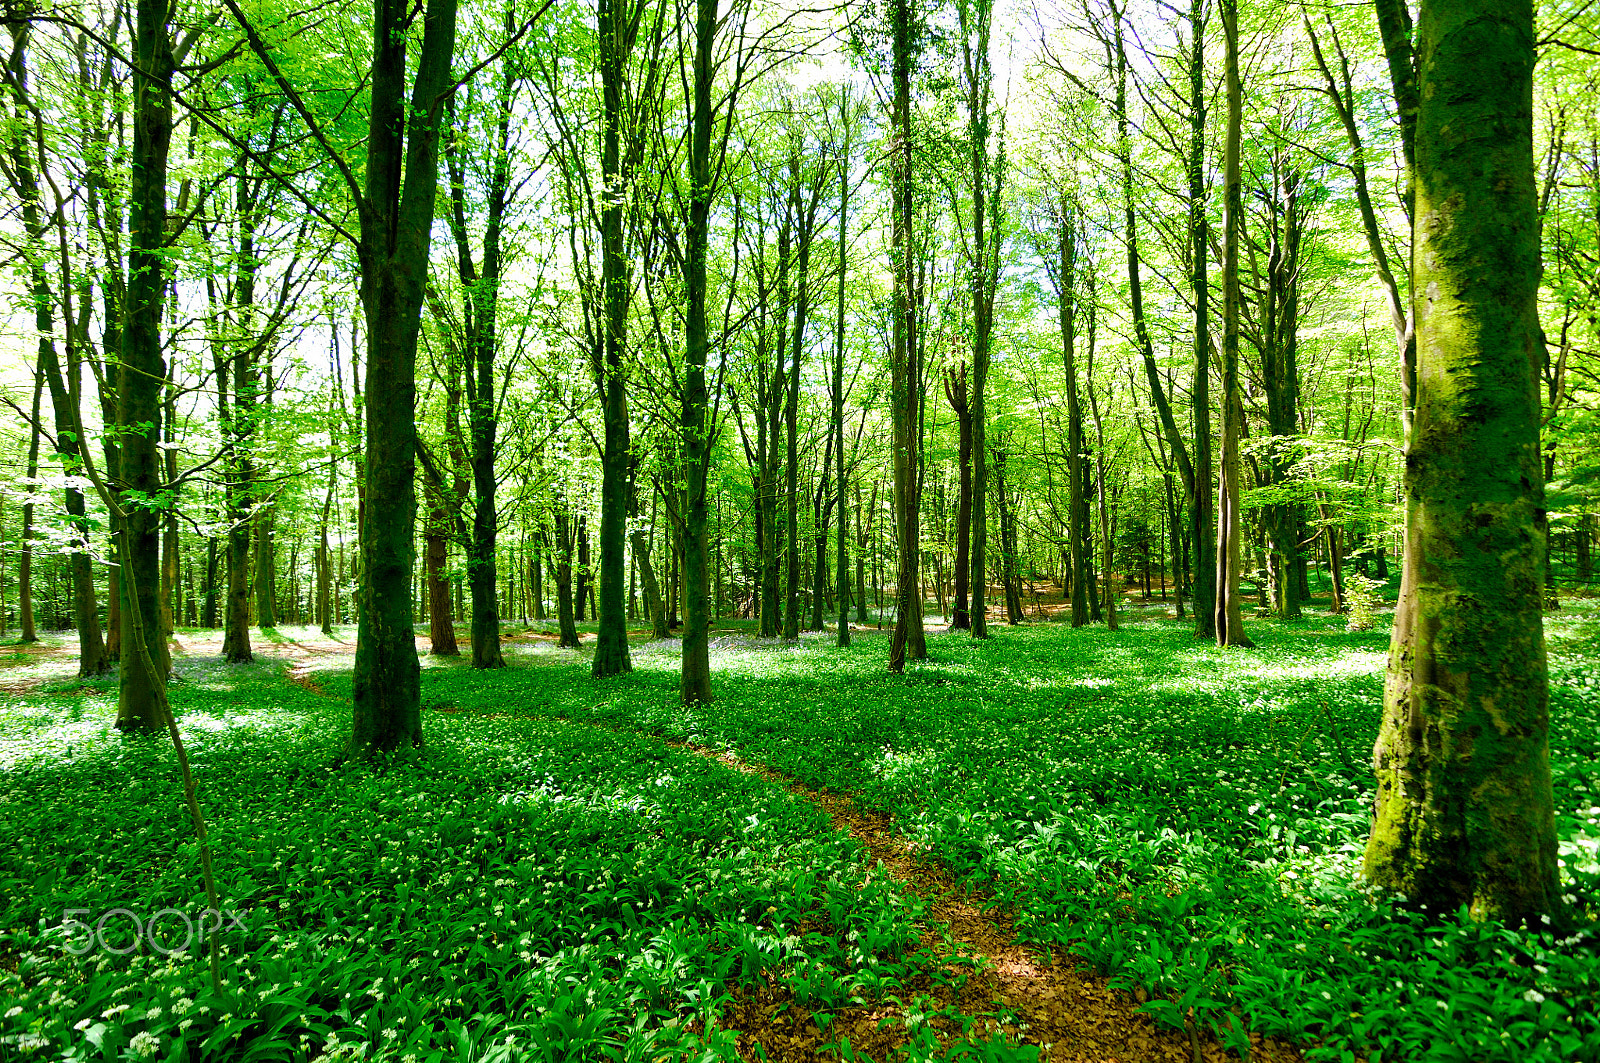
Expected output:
{"points": [[14, 1012], [111, 1013], [1533, 996], [145, 1043], [181, 1006], [82, 1025]]}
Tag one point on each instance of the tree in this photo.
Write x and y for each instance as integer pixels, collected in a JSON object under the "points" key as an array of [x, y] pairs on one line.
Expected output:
{"points": [[1464, 805], [143, 369], [28, 159], [695, 420], [905, 361], [1229, 625], [480, 303], [619, 23]]}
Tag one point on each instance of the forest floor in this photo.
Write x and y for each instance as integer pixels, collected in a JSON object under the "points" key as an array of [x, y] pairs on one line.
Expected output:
{"points": [[1057, 845]]}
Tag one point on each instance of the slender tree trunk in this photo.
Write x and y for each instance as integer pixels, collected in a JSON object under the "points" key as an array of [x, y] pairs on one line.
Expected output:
{"points": [[1465, 814], [441, 627], [1202, 511], [167, 620], [1230, 626], [841, 486], [209, 616], [92, 657], [581, 575], [1067, 270], [25, 560], [955, 390], [565, 617], [905, 378], [537, 562], [863, 539]]}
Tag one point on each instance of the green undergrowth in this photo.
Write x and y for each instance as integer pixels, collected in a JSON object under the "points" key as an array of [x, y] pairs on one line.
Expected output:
{"points": [[522, 889], [1187, 819]]}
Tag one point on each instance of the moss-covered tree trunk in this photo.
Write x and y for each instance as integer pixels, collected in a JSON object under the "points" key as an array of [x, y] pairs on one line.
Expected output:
{"points": [[1464, 806]]}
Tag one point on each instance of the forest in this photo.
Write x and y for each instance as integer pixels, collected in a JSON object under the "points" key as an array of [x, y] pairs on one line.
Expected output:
{"points": [[694, 530]]}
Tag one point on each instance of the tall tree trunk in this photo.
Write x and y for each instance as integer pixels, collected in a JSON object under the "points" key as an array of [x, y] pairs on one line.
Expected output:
{"points": [[611, 645], [92, 656], [983, 272], [143, 369], [1230, 626], [1465, 813], [480, 300], [905, 376], [25, 561], [805, 227], [1202, 510], [841, 551], [1141, 328], [396, 225], [1067, 270], [264, 515]]}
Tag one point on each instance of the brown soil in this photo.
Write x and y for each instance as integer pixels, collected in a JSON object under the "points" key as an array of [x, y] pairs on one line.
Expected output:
{"points": [[1027, 994]]}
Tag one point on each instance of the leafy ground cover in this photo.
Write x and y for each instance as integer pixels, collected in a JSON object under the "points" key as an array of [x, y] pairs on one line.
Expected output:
{"points": [[525, 889], [547, 874]]}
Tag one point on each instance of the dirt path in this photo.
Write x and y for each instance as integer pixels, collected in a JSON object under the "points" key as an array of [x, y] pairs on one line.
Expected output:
{"points": [[1071, 1014]]}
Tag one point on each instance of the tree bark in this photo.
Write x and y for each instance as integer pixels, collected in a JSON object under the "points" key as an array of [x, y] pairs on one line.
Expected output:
{"points": [[1202, 512], [441, 626], [396, 225], [905, 376], [955, 391], [841, 486], [611, 644], [143, 369], [1465, 812], [565, 618], [1229, 625], [1067, 269]]}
